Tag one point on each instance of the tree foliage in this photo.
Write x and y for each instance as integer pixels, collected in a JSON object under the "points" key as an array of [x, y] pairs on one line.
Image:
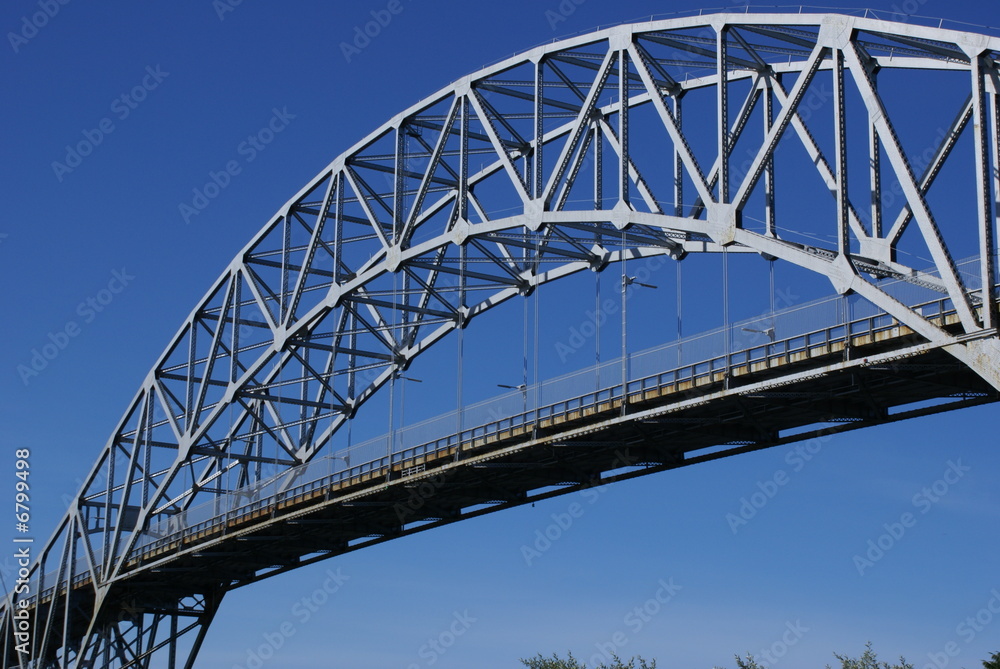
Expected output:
{"points": [[555, 662], [869, 660], [747, 663]]}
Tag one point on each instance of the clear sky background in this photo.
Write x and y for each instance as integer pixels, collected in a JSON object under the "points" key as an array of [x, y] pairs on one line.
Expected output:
{"points": [[786, 577]]}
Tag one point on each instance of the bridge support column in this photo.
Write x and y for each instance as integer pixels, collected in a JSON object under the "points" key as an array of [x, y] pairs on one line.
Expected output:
{"points": [[131, 635]]}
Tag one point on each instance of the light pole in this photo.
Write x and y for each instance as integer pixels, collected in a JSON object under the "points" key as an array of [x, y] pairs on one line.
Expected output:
{"points": [[626, 282], [402, 402], [769, 332], [345, 458], [523, 387]]}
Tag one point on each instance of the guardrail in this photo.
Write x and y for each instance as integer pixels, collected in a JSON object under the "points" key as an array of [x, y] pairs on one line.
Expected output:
{"points": [[322, 473], [244, 505]]}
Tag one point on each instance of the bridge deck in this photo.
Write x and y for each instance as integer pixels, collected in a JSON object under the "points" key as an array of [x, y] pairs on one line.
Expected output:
{"points": [[745, 401]]}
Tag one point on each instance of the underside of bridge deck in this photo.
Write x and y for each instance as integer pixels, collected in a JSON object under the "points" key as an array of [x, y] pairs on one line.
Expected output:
{"points": [[656, 431]]}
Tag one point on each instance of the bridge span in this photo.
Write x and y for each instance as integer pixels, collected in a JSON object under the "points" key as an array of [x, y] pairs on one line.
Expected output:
{"points": [[352, 281]]}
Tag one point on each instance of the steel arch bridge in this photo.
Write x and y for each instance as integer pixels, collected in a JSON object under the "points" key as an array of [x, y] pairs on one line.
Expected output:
{"points": [[564, 159]]}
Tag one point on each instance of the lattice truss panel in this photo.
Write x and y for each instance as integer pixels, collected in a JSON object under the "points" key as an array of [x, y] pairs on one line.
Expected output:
{"points": [[658, 138], [147, 634]]}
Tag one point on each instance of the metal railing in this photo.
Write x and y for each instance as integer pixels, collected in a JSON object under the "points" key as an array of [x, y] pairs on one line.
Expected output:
{"points": [[374, 458], [498, 417]]}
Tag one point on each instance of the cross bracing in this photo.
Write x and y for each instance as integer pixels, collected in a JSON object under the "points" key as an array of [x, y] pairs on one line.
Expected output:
{"points": [[540, 167]]}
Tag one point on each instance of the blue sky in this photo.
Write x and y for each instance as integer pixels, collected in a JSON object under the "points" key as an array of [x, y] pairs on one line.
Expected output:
{"points": [[104, 248]]}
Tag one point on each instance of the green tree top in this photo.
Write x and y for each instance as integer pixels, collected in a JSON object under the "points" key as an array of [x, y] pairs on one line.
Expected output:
{"points": [[555, 662], [869, 660]]}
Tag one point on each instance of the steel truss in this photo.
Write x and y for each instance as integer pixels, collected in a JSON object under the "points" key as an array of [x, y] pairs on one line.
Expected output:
{"points": [[472, 197]]}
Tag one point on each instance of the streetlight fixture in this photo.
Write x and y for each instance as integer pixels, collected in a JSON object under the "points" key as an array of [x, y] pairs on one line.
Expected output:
{"points": [[346, 458], [629, 280], [523, 387], [626, 282], [768, 332], [402, 400]]}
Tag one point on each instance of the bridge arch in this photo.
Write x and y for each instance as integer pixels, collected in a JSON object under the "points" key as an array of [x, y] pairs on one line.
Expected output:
{"points": [[352, 280]]}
